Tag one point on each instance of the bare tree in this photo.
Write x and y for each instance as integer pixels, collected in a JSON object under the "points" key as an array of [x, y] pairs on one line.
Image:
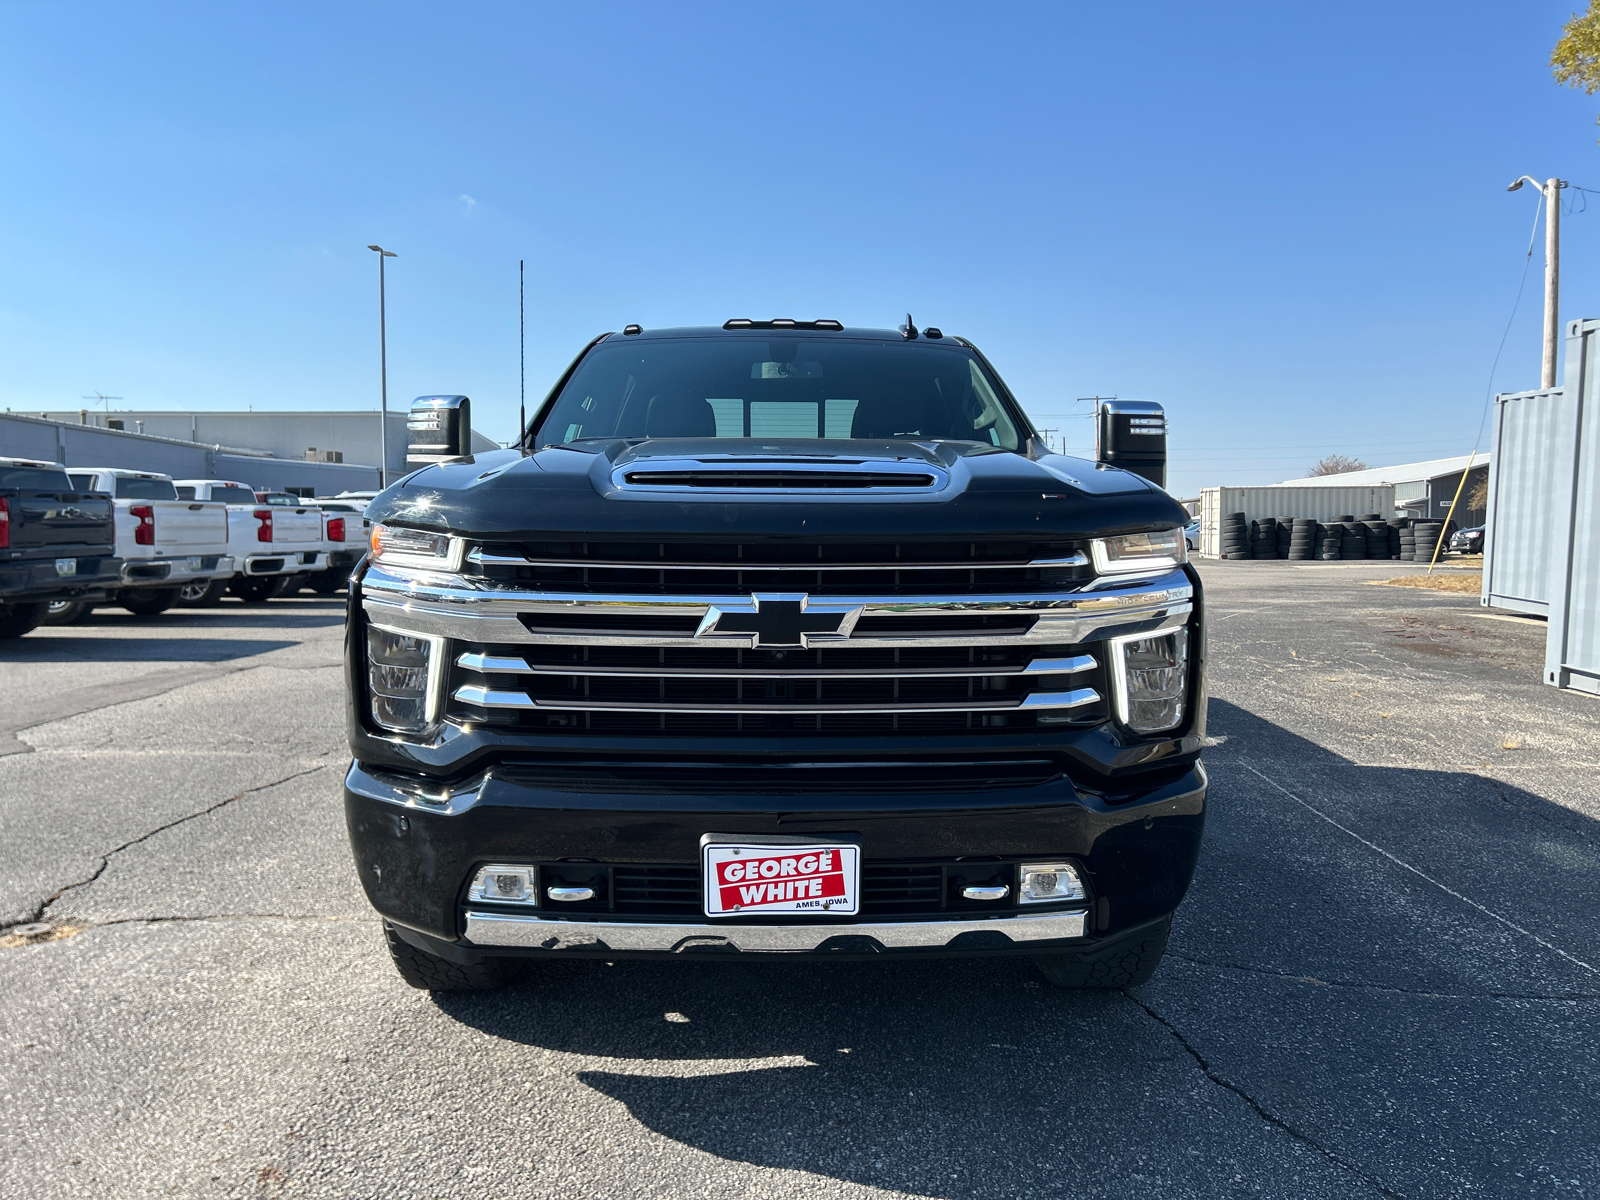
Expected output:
{"points": [[1335, 464]]}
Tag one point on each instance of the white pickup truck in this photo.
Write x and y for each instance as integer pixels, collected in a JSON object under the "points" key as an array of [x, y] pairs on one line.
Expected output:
{"points": [[163, 542], [272, 535]]}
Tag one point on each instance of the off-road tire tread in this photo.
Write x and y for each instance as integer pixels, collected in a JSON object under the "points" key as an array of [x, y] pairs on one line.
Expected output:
{"points": [[431, 973], [1127, 966]]}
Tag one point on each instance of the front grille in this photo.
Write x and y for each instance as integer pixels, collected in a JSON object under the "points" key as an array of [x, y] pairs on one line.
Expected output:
{"points": [[911, 888], [776, 638], [818, 569], [839, 690]]}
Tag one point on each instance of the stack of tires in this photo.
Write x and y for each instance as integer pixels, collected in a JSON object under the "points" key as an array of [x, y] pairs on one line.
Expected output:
{"points": [[1352, 538], [1330, 539], [1302, 540], [1285, 535], [1425, 538], [1235, 536], [1394, 530], [1264, 538], [1377, 534]]}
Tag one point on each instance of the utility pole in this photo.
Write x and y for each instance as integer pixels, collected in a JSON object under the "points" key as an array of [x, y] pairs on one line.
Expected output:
{"points": [[383, 372], [1550, 189]]}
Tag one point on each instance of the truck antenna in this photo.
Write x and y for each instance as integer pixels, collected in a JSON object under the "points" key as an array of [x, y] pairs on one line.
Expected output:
{"points": [[522, 348]]}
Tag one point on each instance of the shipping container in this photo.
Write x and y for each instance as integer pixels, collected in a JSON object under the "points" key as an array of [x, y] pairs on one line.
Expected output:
{"points": [[1530, 481], [1572, 642], [1313, 503]]}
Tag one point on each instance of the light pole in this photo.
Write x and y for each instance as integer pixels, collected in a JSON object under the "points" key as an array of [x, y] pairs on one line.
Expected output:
{"points": [[383, 372], [1551, 190]]}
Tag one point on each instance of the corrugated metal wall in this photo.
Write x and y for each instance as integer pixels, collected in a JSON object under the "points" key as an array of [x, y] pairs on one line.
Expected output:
{"points": [[1313, 503], [1530, 479], [1572, 645], [87, 446]]}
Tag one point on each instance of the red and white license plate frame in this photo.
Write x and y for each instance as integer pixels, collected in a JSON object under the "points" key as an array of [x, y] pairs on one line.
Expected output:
{"points": [[818, 879]]}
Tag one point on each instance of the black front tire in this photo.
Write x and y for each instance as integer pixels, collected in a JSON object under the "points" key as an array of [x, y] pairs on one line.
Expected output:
{"points": [[434, 974], [256, 589], [18, 619], [1127, 964], [326, 583], [147, 602]]}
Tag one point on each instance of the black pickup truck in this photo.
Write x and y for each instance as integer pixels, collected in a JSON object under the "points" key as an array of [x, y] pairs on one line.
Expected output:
{"points": [[56, 543], [778, 638]]}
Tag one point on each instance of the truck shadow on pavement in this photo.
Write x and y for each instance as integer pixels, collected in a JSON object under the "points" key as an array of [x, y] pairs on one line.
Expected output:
{"points": [[136, 649], [1365, 1010]]}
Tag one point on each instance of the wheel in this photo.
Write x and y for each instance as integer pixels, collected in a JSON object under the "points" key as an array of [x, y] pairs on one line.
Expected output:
{"points": [[1127, 965], [18, 619], [147, 602], [202, 593], [256, 589], [66, 612], [326, 583], [434, 974]]}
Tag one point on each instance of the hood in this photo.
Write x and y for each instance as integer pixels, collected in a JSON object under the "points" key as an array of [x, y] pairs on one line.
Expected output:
{"points": [[803, 489]]}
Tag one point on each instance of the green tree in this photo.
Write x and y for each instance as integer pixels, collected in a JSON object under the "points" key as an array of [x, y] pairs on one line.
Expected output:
{"points": [[1576, 58]]}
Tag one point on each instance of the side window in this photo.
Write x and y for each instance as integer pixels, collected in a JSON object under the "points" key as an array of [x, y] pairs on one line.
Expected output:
{"points": [[989, 420], [186, 492], [84, 483]]}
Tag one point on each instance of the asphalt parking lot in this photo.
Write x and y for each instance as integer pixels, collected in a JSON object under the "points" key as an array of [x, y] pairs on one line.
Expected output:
{"points": [[1385, 980]]}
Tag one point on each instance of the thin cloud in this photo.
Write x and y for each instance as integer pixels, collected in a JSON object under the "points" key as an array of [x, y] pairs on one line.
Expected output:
{"points": [[468, 200]]}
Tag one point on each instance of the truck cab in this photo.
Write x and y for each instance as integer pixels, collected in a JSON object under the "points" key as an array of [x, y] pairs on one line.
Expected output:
{"points": [[778, 638]]}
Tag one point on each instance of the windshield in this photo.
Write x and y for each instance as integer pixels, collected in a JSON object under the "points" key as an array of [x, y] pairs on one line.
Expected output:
{"points": [[131, 487], [740, 387]]}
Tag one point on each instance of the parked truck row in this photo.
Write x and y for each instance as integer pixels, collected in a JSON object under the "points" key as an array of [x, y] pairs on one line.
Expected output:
{"points": [[74, 538]]}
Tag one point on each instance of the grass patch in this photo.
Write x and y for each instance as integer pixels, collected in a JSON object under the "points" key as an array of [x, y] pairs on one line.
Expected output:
{"points": [[1467, 585]]}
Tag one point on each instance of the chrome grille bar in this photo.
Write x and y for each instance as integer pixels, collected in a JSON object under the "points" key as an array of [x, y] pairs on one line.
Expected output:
{"points": [[495, 664], [486, 697], [485, 558]]}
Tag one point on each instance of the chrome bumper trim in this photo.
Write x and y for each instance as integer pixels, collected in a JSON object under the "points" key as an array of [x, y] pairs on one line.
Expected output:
{"points": [[545, 933], [486, 697], [485, 558], [495, 664]]}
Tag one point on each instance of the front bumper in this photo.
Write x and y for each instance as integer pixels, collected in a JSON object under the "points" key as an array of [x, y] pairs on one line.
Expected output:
{"points": [[417, 844]]}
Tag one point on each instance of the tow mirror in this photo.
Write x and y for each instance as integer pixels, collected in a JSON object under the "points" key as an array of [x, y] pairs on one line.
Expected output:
{"points": [[1132, 434], [439, 429]]}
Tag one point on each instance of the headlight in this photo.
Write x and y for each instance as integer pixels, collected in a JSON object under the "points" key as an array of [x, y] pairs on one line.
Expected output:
{"points": [[403, 675], [1139, 552], [1150, 677], [395, 546]]}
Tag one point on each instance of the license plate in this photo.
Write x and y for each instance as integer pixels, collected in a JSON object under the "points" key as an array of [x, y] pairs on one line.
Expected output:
{"points": [[194, 562], [742, 878], [66, 566]]}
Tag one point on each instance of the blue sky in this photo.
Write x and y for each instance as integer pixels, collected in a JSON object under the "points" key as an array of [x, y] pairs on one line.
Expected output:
{"points": [[1287, 223]]}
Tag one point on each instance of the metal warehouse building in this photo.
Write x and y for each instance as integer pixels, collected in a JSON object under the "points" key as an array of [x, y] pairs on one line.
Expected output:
{"points": [[1422, 489]]}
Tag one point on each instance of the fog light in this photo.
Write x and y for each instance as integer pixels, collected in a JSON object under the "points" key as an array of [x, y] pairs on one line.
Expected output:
{"points": [[400, 676], [1151, 674], [1046, 882], [501, 884]]}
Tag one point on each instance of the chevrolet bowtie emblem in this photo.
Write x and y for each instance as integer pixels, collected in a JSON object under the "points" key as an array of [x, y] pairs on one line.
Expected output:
{"points": [[780, 619]]}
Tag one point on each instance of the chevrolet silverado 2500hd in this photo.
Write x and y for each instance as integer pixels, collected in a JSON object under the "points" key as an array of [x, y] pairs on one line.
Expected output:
{"points": [[778, 638]]}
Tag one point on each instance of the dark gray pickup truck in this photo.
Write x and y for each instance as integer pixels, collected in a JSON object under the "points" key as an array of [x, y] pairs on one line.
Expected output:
{"points": [[56, 543]]}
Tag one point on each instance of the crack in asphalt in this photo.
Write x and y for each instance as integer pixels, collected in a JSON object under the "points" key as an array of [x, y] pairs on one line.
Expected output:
{"points": [[178, 918], [1380, 987], [105, 859], [1270, 1118]]}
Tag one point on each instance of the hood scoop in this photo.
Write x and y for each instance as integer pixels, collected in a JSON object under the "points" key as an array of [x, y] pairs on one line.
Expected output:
{"points": [[782, 475]]}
